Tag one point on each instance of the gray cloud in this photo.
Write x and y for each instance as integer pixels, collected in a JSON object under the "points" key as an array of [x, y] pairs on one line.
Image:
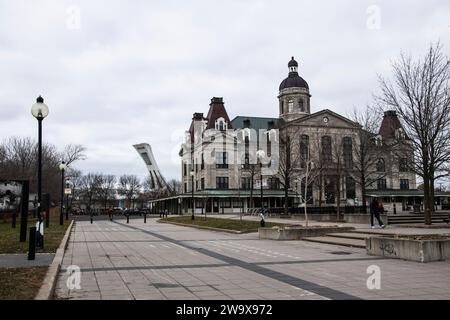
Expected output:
{"points": [[136, 72]]}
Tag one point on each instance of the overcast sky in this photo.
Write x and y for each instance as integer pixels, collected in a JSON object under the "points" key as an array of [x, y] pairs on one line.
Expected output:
{"points": [[117, 73]]}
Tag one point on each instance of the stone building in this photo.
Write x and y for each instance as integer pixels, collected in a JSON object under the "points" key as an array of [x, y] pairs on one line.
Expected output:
{"points": [[222, 174]]}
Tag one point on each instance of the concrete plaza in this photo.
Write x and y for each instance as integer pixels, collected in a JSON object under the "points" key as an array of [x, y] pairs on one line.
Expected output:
{"points": [[163, 261]]}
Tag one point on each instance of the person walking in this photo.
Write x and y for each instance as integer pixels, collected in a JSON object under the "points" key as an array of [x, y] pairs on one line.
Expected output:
{"points": [[376, 208]]}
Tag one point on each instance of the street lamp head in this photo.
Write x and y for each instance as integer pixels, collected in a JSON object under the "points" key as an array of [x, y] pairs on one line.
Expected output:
{"points": [[39, 110], [261, 154], [63, 166]]}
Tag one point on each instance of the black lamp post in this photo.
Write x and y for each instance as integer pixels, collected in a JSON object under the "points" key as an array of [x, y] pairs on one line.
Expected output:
{"points": [[40, 111], [63, 168], [193, 202], [69, 185], [261, 155]]}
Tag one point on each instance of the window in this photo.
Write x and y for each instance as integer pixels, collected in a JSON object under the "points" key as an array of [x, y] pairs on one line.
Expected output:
{"points": [[381, 166], [301, 105], [246, 183], [350, 188], [330, 191], [185, 188], [309, 192], [185, 169], [222, 160], [203, 183], [268, 144], [222, 183], [348, 152], [274, 183], [403, 165], [326, 149], [203, 162], [381, 184], [304, 150], [282, 107], [196, 185], [221, 125], [291, 106], [404, 184]]}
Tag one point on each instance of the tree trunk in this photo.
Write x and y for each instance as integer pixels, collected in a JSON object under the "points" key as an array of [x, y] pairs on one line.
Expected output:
{"points": [[286, 199], [363, 193], [426, 201]]}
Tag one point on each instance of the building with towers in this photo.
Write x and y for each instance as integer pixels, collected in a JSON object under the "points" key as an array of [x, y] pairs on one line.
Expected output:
{"points": [[220, 174]]}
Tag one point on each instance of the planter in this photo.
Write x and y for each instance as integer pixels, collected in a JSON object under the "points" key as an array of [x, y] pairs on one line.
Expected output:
{"points": [[297, 233], [413, 248]]}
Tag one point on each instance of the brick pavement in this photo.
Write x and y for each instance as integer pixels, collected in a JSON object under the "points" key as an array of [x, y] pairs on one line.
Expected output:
{"points": [[161, 261]]}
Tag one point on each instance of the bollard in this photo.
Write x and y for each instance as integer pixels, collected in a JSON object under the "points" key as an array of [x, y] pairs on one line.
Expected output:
{"points": [[128, 219], [145, 218], [395, 209], [32, 244], [14, 219], [92, 219]]}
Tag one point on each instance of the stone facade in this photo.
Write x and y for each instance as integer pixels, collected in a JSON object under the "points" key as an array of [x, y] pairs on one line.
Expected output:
{"points": [[329, 141]]}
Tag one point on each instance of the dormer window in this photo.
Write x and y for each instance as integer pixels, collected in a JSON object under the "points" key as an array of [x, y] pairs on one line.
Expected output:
{"points": [[399, 134], [221, 125]]}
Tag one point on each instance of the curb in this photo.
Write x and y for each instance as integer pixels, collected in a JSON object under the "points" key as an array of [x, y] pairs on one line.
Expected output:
{"points": [[48, 287], [208, 228]]}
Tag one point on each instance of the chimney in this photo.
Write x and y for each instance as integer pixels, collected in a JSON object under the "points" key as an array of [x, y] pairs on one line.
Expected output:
{"points": [[216, 100]]}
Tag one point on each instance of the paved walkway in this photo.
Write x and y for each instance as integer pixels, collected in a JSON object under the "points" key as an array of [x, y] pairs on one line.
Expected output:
{"points": [[161, 261], [21, 260]]}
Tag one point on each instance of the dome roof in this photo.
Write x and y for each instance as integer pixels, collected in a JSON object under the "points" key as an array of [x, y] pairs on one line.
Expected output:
{"points": [[293, 63], [293, 80]]}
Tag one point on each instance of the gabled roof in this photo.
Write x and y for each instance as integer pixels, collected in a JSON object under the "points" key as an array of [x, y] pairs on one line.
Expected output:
{"points": [[325, 112]]}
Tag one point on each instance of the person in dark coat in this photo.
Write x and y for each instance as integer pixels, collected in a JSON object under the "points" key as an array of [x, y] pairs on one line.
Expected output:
{"points": [[376, 208]]}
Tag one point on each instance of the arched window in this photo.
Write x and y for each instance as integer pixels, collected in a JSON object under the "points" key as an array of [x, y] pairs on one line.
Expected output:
{"points": [[304, 150], [291, 106], [348, 152], [381, 167], [326, 149], [301, 105], [350, 188]]}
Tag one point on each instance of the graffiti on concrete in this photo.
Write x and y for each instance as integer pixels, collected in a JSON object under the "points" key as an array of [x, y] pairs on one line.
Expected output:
{"points": [[388, 249]]}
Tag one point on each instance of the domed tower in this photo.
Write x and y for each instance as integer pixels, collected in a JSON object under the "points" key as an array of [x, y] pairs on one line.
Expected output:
{"points": [[294, 95]]}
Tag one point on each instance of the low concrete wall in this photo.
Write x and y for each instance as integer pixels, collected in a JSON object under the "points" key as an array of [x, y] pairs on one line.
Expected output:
{"points": [[350, 218], [408, 249], [48, 286], [298, 233]]}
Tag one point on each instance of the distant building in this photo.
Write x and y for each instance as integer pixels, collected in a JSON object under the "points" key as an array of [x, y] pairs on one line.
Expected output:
{"points": [[232, 182]]}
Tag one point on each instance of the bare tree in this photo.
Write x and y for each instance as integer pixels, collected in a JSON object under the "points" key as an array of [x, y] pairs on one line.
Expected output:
{"points": [[289, 161], [420, 94], [73, 153], [368, 150], [129, 187], [89, 188], [106, 189]]}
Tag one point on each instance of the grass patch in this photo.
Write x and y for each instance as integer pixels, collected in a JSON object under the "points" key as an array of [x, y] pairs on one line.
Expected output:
{"points": [[227, 224], [21, 283], [9, 237]]}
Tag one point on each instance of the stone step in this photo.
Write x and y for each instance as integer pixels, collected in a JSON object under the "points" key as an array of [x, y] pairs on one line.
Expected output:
{"points": [[346, 242], [349, 235]]}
